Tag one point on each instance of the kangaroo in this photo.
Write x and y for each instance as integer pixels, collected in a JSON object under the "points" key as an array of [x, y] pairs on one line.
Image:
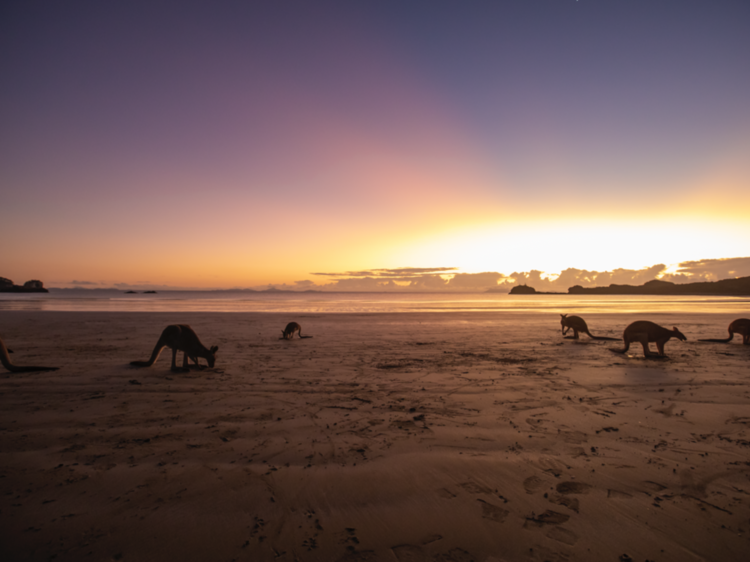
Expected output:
{"points": [[180, 337], [288, 332], [644, 332], [578, 324], [740, 326], [5, 360]]}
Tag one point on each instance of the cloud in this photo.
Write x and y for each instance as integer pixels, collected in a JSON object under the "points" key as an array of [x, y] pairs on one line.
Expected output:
{"points": [[445, 279], [585, 278], [402, 272], [712, 270], [304, 285], [475, 281]]}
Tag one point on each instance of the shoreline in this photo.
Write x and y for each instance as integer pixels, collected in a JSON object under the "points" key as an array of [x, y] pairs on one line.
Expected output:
{"points": [[389, 436]]}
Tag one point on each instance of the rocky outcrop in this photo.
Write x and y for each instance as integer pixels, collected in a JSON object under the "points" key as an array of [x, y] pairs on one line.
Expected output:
{"points": [[523, 290], [33, 286], [730, 287]]}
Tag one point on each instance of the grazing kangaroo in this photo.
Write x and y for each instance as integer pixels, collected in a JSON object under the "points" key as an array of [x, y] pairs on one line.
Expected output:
{"points": [[578, 324], [288, 332], [644, 332], [5, 360], [740, 326], [180, 337]]}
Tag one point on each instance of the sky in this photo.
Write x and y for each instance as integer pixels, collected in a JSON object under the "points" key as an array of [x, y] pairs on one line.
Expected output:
{"points": [[373, 145]]}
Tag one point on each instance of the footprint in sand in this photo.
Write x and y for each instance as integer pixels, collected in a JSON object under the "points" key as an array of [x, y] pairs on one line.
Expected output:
{"points": [[574, 437], [474, 488], [617, 494], [409, 553], [570, 503], [359, 556], [667, 411], [653, 486], [573, 488], [532, 484], [493, 512], [563, 535], [445, 493], [455, 555], [546, 518]]}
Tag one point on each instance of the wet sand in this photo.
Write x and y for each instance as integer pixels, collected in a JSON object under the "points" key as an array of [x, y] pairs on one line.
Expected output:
{"points": [[399, 437]]}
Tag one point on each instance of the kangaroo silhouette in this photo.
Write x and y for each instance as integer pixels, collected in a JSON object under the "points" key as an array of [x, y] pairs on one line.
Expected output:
{"points": [[578, 324], [644, 332], [288, 332], [180, 337]]}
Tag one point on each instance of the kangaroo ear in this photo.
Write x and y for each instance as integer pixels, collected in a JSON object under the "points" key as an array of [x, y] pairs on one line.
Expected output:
{"points": [[563, 315], [214, 349]]}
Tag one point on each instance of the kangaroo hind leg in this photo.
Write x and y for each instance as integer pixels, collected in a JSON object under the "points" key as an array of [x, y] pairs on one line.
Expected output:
{"points": [[160, 345]]}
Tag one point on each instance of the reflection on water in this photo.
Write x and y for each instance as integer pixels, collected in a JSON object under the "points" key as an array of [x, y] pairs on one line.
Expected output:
{"points": [[246, 301]]}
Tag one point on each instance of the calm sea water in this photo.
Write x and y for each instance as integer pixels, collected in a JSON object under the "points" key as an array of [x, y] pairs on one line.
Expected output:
{"points": [[244, 301]]}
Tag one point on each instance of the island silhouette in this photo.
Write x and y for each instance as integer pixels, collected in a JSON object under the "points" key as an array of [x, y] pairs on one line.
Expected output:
{"points": [[728, 287]]}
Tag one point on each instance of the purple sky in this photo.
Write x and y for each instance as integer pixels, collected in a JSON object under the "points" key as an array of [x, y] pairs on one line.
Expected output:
{"points": [[236, 143]]}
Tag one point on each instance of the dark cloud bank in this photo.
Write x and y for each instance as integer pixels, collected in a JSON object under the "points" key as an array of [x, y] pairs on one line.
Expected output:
{"points": [[448, 279]]}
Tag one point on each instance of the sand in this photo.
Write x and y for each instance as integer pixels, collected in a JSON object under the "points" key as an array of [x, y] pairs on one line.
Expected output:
{"points": [[398, 437]]}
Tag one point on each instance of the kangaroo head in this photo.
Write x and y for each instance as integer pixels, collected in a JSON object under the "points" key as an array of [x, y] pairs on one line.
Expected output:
{"points": [[679, 335], [212, 357], [562, 322]]}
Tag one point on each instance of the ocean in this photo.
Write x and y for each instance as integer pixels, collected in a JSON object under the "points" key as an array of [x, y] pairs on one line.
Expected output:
{"points": [[93, 300]]}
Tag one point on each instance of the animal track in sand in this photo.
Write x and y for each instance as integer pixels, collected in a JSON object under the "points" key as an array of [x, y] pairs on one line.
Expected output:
{"points": [[493, 512], [474, 488], [532, 484], [571, 503], [574, 437], [573, 488], [546, 518], [445, 493], [359, 556], [563, 535], [617, 494], [455, 555], [653, 486], [409, 553]]}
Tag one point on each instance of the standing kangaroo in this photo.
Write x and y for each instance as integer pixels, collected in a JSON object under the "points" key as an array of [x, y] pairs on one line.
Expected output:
{"points": [[5, 360], [288, 332], [578, 324], [740, 326], [644, 332], [180, 337]]}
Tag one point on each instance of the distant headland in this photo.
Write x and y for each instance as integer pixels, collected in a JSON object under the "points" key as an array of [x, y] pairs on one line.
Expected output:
{"points": [[729, 287], [33, 286]]}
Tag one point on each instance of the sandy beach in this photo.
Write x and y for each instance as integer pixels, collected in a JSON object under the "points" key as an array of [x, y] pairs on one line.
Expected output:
{"points": [[397, 437]]}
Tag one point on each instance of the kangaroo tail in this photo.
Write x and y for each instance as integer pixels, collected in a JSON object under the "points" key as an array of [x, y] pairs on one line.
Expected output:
{"points": [[725, 340], [304, 337], [29, 369], [5, 360], [624, 350], [154, 356]]}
